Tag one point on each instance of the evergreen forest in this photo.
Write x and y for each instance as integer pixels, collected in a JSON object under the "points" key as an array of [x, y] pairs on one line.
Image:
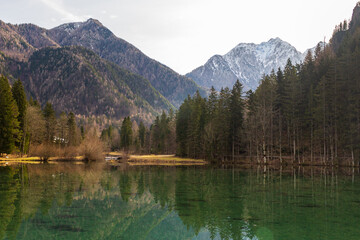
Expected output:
{"points": [[306, 113]]}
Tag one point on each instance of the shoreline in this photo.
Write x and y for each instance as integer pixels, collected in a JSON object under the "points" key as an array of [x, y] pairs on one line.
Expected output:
{"points": [[173, 160]]}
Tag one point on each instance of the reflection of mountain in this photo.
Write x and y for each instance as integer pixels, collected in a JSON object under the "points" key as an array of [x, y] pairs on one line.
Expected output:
{"points": [[108, 218], [90, 204], [93, 202]]}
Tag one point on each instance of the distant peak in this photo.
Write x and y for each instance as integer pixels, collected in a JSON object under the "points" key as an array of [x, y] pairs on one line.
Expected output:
{"points": [[70, 27], [93, 21], [277, 39]]}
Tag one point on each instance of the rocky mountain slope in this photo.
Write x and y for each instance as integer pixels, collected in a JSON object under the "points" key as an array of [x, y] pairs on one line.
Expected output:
{"points": [[74, 78], [83, 67], [93, 35], [246, 62]]}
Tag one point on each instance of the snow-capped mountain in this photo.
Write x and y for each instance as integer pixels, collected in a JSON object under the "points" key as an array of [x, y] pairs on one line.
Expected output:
{"points": [[246, 62]]}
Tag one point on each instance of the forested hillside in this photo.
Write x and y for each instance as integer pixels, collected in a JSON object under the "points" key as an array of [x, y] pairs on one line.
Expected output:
{"points": [[67, 66], [75, 79], [308, 112], [93, 35]]}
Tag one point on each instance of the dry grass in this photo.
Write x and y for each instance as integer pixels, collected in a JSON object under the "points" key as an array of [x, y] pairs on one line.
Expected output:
{"points": [[38, 159], [166, 160], [14, 158], [133, 160], [164, 164], [114, 153]]}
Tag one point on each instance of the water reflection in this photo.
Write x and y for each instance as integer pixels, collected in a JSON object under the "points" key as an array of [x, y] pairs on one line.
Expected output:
{"points": [[67, 201]]}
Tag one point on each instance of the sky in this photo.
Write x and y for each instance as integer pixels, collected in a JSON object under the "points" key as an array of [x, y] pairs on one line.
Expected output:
{"points": [[184, 34]]}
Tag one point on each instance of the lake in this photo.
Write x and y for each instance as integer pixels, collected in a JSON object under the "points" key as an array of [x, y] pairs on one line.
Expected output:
{"points": [[98, 201]]}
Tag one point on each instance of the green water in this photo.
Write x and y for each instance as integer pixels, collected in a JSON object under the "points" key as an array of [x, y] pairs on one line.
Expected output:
{"points": [[67, 201]]}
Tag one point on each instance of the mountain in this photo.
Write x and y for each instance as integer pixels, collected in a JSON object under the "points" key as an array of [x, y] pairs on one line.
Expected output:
{"points": [[246, 62], [74, 78], [83, 67], [13, 44], [93, 35]]}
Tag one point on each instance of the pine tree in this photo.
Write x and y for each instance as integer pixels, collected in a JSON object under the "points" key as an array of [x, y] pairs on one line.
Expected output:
{"points": [[20, 98], [210, 133], [126, 134], [50, 123], [9, 124], [72, 134], [182, 126], [222, 123], [236, 118], [142, 131]]}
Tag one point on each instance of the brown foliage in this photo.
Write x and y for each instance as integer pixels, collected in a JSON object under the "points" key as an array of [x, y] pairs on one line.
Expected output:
{"points": [[44, 151], [92, 147]]}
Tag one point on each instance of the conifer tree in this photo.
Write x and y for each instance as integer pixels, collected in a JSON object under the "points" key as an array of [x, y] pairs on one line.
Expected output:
{"points": [[182, 126], [50, 123], [126, 134], [142, 132], [9, 124], [236, 118], [20, 98], [71, 125]]}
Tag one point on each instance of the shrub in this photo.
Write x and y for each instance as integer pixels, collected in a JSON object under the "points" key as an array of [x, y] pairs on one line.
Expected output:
{"points": [[93, 148], [44, 151]]}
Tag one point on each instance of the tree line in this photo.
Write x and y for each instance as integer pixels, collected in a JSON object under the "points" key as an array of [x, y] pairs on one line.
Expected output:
{"points": [[158, 138], [213, 127], [27, 128], [22, 201], [305, 113]]}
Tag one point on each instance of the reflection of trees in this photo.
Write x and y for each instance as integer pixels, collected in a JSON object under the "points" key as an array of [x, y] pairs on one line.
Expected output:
{"points": [[175, 203], [210, 199], [86, 201], [302, 204], [8, 196], [125, 186], [26, 190], [162, 185]]}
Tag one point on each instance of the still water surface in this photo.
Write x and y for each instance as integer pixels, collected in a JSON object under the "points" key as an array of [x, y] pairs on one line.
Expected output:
{"points": [[67, 201]]}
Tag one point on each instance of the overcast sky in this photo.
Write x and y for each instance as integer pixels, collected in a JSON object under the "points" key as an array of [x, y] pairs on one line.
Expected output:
{"points": [[184, 34]]}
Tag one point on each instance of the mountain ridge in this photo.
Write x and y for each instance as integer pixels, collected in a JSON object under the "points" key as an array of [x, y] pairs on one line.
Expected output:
{"points": [[246, 62], [93, 35], [75, 78]]}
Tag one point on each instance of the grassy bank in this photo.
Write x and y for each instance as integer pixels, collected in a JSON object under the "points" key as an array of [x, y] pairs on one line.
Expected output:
{"points": [[165, 160], [26, 159], [132, 160]]}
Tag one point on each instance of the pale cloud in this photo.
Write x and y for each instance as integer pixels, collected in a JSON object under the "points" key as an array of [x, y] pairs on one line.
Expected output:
{"points": [[57, 6], [184, 34]]}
